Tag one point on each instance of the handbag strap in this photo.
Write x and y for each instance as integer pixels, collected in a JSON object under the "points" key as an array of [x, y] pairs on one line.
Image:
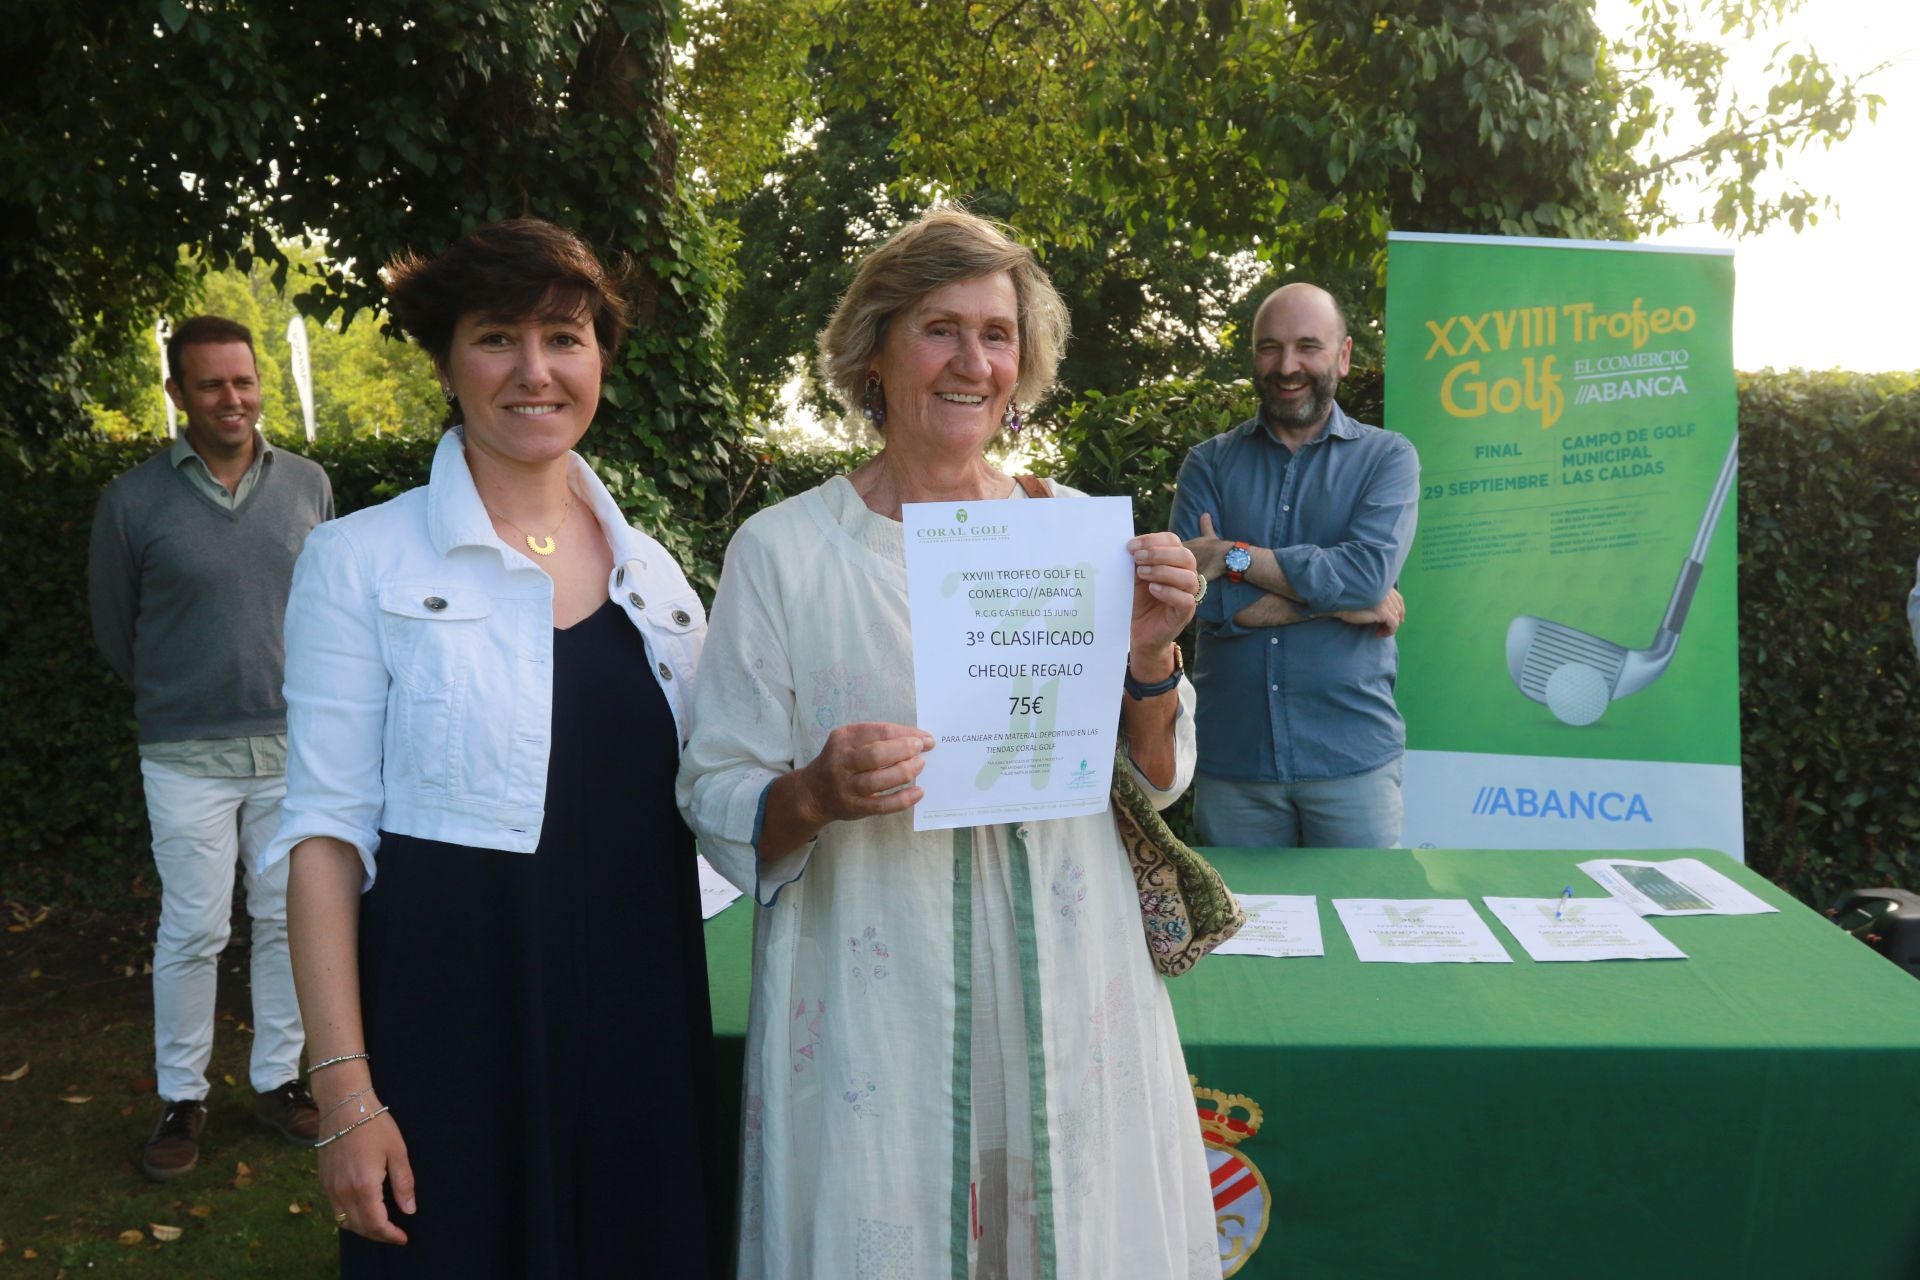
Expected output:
{"points": [[1034, 485]]}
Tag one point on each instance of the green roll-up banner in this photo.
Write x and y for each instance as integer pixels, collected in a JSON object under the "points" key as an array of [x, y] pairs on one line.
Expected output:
{"points": [[1569, 673]]}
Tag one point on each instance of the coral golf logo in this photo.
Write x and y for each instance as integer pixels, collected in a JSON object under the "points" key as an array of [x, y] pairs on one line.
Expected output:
{"points": [[1561, 802], [1242, 1205], [962, 529]]}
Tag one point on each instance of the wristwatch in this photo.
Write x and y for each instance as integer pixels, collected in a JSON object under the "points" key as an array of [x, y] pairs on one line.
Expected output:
{"points": [[1238, 560], [1140, 692]]}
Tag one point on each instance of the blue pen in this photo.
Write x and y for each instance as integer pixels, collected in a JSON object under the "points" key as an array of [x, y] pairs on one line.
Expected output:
{"points": [[1566, 896]]}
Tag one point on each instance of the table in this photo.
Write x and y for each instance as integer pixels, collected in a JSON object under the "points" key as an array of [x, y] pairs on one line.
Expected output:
{"points": [[1748, 1112]]}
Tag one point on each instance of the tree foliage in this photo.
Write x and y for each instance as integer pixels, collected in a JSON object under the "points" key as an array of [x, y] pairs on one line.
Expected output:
{"points": [[1151, 147], [1140, 305], [366, 382], [1683, 125], [127, 131]]}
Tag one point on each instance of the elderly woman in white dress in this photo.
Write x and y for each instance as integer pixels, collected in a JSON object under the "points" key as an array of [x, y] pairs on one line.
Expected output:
{"points": [[960, 1058]]}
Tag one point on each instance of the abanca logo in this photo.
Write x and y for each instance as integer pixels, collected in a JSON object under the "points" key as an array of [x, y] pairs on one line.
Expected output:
{"points": [[1525, 802]]}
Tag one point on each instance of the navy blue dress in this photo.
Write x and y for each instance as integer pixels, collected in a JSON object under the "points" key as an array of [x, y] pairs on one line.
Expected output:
{"points": [[539, 1024]]}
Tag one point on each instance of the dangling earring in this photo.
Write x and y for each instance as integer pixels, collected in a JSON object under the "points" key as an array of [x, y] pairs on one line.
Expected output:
{"points": [[446, 393], [1011, 419], [874, 409]]}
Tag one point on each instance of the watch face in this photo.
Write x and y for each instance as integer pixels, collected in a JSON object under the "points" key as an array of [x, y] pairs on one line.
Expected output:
{"points": [[1238, 559]]}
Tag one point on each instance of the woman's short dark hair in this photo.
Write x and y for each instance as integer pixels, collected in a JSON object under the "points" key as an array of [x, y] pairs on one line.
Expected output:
{"points": [[522, 268]]}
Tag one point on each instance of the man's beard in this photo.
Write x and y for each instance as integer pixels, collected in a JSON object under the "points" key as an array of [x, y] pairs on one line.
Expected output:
{"points": [[1299, 413]]}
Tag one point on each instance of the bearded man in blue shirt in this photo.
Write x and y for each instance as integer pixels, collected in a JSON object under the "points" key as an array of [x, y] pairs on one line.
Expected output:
{"points": [[1301, 519]]}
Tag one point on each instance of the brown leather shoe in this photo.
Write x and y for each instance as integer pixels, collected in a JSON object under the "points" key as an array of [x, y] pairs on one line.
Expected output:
{"points": [[174, 1148], [290, 1110]]}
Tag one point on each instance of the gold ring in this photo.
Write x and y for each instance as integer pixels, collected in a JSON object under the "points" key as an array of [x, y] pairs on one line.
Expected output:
{"points": [[1200, 591]]}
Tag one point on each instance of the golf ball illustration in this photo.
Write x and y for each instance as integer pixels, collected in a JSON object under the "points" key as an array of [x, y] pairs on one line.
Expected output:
{"points": [[1577, 694]]}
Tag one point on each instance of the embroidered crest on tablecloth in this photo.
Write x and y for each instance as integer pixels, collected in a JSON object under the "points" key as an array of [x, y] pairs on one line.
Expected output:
{"points": [[1242, 1205]]}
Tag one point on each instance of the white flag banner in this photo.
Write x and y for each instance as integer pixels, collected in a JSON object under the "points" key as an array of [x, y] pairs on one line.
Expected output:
{"points": [[302, 370], [162, 331]]}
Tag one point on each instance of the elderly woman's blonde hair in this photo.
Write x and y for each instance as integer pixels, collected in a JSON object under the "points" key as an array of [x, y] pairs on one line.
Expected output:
{"points": [[944, 245]]}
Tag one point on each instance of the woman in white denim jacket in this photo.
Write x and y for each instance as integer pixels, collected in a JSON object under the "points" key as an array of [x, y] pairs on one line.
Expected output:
{"points": [[487, 684]]}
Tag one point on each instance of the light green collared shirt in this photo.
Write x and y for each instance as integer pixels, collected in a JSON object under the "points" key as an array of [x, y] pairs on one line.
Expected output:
{"points": [[263, 755], [184, 458]]}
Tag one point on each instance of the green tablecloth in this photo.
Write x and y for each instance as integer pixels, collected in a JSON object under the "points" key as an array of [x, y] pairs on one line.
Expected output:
{"points": [[1751, 1111]]}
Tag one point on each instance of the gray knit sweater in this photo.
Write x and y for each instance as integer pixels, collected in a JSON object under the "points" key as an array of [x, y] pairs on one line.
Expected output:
{"points": [[188, 599]]}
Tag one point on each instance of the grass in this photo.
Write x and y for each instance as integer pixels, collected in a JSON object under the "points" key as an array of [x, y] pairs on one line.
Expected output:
{"points": [[76, 1009]]}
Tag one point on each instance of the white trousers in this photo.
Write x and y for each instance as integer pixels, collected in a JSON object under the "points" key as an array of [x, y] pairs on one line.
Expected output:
{"points": [[202, 827]]}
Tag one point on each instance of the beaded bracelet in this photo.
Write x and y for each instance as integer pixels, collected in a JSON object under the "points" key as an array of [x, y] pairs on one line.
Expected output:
{"points": [[350, 1128], [334, 1062]]}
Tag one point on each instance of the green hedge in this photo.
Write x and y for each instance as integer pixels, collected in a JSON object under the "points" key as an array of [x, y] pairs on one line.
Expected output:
{"points": [[73, 826], [1829, 529], [1829, 717]]}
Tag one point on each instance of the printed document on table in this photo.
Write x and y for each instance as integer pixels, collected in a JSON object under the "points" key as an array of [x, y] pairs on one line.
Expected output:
{"points": [[1278, 924], [1419, 931], [1581, 929], [716, 891], [1675, 887], [1021, 612]]}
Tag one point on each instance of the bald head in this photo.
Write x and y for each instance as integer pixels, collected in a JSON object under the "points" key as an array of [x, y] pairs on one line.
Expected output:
{"points": [[1309, 301], [1300, 352]]}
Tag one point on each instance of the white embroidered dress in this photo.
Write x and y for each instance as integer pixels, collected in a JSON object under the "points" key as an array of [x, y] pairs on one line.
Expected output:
{"points": [[960, 1060]]}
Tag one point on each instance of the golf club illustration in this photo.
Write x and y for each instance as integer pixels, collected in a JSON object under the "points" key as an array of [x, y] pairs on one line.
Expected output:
{"points": [[1576, 674]]}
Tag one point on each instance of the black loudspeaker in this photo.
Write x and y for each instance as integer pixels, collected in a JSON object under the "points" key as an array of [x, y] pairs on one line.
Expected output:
{"points": [[1888, 920]]}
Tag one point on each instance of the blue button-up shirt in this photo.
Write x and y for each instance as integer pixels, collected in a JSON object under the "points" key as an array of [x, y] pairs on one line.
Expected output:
{"points": [[1313, 699]]}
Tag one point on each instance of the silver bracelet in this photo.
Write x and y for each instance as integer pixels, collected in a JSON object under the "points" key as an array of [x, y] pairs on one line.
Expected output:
{"points": [[352, 1097], [334, 1062], [350, 1128]]}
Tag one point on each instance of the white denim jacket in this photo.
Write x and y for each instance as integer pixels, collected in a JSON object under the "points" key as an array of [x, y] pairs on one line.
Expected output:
{"points": [[419, 677]]}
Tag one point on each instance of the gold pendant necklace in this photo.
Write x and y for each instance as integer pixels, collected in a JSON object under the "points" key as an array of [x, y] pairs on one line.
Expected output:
{"points": [[539, 546]]}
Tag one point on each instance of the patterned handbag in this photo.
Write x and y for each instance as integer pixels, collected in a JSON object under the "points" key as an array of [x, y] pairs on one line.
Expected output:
{"points": [[1185, 906]]}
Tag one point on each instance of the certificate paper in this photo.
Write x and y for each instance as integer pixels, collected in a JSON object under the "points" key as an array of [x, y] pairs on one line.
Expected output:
{"points": [[1676, 887], [1278, 924], [716, 891], [1581, 929], [1419, 931], [1021, 611]]}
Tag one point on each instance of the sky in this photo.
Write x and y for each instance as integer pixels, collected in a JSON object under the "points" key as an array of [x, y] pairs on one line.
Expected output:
{"points": [[1839, 294]]}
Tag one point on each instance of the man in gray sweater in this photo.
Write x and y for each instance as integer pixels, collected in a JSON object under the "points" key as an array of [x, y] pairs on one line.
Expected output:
{"points": [[188, 572]]}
